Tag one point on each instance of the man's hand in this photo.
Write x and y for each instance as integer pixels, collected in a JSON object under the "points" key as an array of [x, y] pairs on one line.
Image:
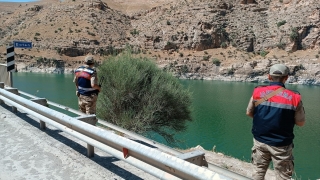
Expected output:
{"points": [[250, 114], [77, 93]]}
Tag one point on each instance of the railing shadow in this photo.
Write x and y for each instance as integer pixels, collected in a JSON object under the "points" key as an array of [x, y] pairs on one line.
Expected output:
{"points": [[106, 162]]}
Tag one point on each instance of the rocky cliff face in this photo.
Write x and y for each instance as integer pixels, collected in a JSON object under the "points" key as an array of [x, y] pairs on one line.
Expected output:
{"points": [[247, 25], [236, 40]]}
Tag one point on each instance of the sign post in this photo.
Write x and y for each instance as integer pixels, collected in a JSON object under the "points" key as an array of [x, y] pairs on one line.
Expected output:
{"points": [[10, 55], [10, 58], [22, 44], [10, 63]]}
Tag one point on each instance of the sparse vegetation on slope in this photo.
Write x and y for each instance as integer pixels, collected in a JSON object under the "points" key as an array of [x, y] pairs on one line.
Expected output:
{"points": [[173, 33]]}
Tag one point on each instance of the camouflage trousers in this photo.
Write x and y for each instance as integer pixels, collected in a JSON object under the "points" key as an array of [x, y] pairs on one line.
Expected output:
{"points": [[87, 104], [282, 158]]}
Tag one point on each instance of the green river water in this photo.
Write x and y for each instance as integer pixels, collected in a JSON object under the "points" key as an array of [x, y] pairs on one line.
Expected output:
{"points": [[218, 116]]}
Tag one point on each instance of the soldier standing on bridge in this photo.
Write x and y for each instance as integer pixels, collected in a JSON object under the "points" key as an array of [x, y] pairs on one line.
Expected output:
{"points": [[86, 81], [275, 111]]}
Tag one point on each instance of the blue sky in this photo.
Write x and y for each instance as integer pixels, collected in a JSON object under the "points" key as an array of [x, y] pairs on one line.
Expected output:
{"points": [[17, 0]]}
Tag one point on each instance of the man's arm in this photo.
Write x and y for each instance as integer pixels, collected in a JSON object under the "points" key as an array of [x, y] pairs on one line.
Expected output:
{"points": [[96, 86], [75, 80], [250, 114], [299, 116], [250, 108], [94, 82]]}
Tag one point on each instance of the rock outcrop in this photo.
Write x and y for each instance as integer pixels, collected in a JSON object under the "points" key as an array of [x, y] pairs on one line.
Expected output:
{"points": [[247, 25], [175, 34]]}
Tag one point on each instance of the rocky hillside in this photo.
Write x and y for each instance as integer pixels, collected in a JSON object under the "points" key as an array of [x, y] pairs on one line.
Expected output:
{"points": [[247, 25], [235, 40]]}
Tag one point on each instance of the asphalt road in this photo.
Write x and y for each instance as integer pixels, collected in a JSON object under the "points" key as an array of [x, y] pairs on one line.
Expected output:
{"points": [[28, 153]]}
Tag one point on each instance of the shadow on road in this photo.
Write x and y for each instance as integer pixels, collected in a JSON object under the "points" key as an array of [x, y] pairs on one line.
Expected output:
{"points": [[106, 162]]}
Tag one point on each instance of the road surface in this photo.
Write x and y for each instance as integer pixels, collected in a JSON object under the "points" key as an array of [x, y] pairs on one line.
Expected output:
{"points": [[28, 153]]}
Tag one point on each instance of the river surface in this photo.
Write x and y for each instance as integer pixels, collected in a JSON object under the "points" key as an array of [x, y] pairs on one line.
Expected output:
{"points": [[218, 113]]}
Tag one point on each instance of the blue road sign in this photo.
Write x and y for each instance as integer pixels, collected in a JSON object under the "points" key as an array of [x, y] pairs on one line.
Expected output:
{"points": [[22, 44]]}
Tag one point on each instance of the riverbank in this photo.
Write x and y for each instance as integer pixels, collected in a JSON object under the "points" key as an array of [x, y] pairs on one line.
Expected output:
{"points": [[243, 72]]}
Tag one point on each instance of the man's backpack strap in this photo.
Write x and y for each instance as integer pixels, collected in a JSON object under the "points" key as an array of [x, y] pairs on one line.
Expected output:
{"points": [[268, 96]]}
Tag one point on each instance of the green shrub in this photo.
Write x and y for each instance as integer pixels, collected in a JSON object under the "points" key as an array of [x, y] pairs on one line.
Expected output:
{"points": [[58, 49], [263, 53], [281, 45], [294, 34], [134, 32], [206, 58], [39, 60], [140, 97], [224, 45], [216, 61], [231, 71], [184, 69], [281, 23]]}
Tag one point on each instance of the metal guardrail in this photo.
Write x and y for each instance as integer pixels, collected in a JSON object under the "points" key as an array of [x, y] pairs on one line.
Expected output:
{"points": [[163, 147], [151, 160]]}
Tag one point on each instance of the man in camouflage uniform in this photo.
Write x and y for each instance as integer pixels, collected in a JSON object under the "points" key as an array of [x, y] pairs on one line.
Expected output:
{"points": [[86, 81], [275, 111]]}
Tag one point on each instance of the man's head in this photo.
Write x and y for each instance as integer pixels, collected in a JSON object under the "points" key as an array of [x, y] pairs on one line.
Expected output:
{"points": [[89, 60], [278, 73]]}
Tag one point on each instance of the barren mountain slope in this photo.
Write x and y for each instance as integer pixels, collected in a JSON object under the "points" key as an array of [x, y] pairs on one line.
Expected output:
{"points": [[196, 39], [257, 26], [63, 25]]}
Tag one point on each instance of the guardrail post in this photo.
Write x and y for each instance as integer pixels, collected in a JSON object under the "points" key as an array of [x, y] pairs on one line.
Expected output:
{"points": [[43, 102], [90, 150], [14, 91], [90, 119], [196, 157], [2, 87]]}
